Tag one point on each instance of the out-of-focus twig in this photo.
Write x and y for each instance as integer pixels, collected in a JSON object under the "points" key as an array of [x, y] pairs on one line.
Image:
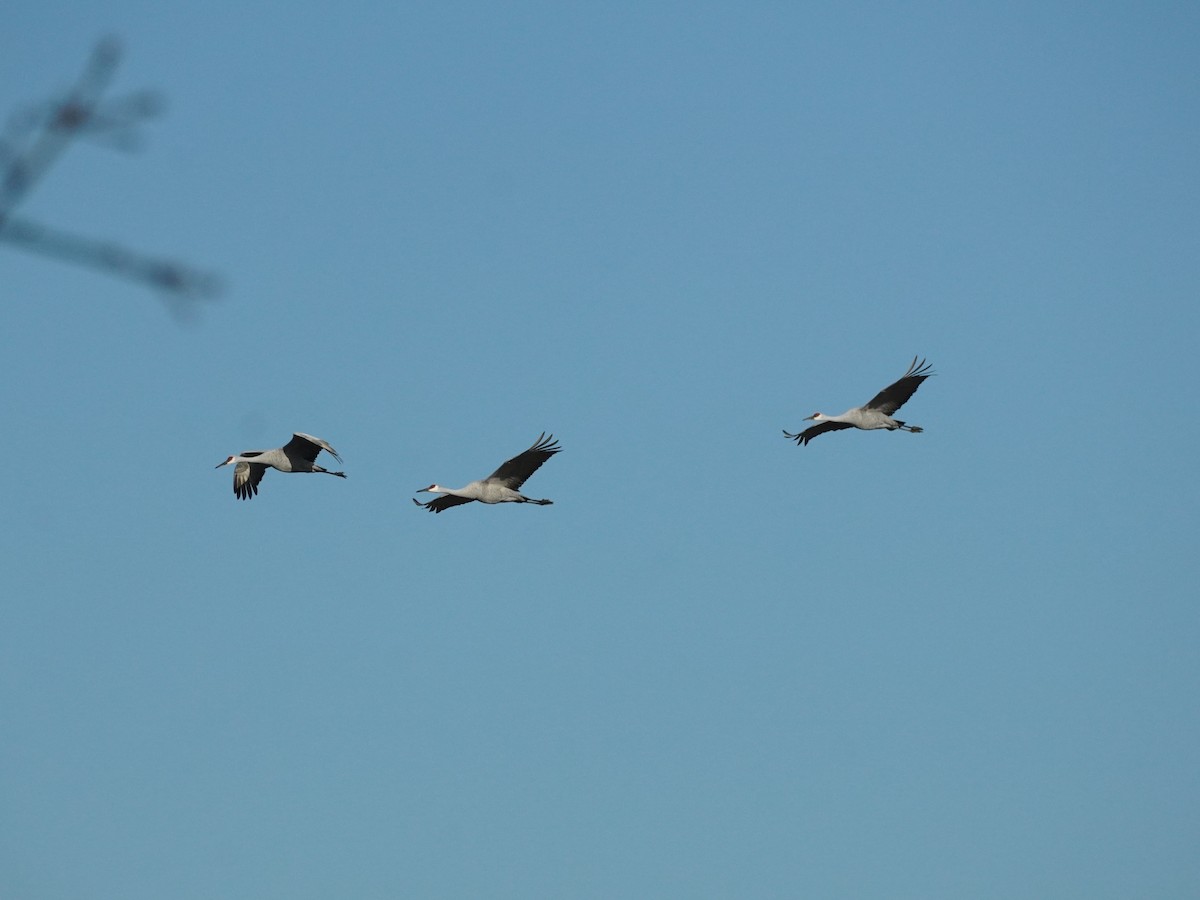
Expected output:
{"points": [[35, 140], [66, 117], [160, 273]]}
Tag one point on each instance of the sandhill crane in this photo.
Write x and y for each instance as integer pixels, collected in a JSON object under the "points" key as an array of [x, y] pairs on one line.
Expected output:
{"points": [[297, 455], [875, 414], [501, 486]]}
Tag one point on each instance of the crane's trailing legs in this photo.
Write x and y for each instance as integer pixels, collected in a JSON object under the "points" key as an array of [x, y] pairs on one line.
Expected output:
{"points": [[343, 474]]}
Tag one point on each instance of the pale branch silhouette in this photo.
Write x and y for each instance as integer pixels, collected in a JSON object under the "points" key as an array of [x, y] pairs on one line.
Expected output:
{"points": [[34, 140]]}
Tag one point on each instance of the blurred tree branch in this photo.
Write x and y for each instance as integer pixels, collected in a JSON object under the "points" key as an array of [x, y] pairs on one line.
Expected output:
{"points": [[35, 139]]}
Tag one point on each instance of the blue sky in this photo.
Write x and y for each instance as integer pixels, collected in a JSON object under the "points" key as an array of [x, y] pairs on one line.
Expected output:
{"points": [[960, 663]]}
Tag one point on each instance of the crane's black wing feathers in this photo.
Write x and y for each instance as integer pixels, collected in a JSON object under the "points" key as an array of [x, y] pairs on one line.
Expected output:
{"points": [[809, 433], [437, 504], [895, 395], [307, 447], [245, 480], [514, 472]]}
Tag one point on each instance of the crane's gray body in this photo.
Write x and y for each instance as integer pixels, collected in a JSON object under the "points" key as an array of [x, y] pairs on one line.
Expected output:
{"points": [[491, 492], [868, 420]]}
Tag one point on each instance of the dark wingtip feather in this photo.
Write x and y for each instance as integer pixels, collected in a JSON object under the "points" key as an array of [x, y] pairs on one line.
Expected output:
{"points": [[545, 444], [919, 370]]}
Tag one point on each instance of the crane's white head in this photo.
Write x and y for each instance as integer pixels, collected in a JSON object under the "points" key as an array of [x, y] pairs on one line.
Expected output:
{"points": [[433, 489], [815, 417], [228, 460]]}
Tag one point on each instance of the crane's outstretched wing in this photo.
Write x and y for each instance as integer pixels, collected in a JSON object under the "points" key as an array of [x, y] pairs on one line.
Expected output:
{"points": [[246, 477], [809, 433], [895, 395], [307, 447], [437, 504], [513, 473]]}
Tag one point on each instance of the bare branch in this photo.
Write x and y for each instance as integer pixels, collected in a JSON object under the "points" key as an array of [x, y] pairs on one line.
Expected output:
{"points": [[165, 275], [36, 138]]}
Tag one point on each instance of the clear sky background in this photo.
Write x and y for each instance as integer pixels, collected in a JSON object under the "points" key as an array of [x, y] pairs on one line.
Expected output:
{"points": [[955, 664]]}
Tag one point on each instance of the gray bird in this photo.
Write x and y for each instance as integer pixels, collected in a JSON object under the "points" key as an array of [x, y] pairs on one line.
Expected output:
{"points": [[297, 455], [877, 413], [501, 486]]}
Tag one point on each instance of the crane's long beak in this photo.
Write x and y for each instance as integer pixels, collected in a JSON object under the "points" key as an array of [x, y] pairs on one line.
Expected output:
{"points": [[809, 418]]}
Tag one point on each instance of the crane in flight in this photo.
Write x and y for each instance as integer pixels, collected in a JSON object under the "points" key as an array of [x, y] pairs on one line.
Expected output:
{"points": [[297, 455], [502, 486], [876, 413]]}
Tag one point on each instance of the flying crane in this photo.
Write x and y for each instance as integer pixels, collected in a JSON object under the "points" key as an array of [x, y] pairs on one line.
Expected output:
{"points": [[297, 455], [502, 485], [876, 413]]}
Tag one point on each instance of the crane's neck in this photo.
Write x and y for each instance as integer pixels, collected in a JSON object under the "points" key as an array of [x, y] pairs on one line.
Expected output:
{"points": [[844, 417]]}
